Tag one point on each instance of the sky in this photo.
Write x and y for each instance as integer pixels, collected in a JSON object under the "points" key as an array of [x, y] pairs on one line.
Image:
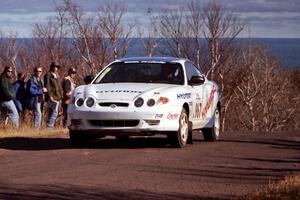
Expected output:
{"points": [[264, 18]]}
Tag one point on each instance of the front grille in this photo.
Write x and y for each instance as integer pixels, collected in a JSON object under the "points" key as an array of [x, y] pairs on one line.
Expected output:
{"points": [[118, 104], [114, 123]]}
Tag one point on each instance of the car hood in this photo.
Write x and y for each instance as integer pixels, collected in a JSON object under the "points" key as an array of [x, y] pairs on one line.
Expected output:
{"points": [[124, 91]]}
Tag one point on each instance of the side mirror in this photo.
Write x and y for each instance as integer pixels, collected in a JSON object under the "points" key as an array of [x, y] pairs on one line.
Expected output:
{"points": [[197, 80]]}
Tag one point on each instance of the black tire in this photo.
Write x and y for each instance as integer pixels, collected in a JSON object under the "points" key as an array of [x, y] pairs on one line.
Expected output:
{"points": [[190, 138], [180, 138], [212, 134], [78, 138]]}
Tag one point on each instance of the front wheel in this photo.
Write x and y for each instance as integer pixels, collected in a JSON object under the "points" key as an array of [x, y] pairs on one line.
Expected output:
{"points": [[212, 134], [179, 139]]}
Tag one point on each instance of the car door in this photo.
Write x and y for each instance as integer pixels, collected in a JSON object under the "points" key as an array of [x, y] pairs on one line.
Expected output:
{"points": [[197, 94]]}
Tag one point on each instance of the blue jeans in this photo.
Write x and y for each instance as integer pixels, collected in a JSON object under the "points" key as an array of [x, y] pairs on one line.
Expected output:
{"points": [[9, 110], [53, 107], [37, 115]]}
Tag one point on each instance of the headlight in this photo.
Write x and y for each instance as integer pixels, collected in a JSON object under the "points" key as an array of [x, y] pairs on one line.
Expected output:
{"points": [[90, 102], [79, 102], [139, 102], [151, 102]]}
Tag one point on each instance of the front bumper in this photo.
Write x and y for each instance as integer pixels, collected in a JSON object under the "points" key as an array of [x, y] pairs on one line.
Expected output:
{"points": [[116, 121]]}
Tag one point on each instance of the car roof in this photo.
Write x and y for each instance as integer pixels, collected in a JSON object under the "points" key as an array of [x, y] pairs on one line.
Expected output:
{"points": [[151, 59]]}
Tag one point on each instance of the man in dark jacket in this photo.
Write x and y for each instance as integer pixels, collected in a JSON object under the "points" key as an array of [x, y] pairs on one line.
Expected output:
{"points": [[7, 104], [35, 90], [20, 95], [55, 93]]}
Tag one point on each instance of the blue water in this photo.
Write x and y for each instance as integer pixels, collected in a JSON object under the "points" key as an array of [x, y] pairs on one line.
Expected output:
{"points": [[286, 50]]}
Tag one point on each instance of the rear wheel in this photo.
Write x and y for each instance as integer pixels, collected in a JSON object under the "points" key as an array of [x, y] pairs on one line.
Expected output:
{"points": [[212, 134], [79, 138], [180, 138]]}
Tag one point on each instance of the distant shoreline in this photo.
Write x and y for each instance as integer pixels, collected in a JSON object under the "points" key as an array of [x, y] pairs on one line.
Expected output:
{"points": [[287, 50]]}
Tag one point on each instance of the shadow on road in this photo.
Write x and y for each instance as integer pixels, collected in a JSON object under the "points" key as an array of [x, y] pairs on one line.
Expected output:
{"points": [[70, 192], [23, 143], [274, 143]]}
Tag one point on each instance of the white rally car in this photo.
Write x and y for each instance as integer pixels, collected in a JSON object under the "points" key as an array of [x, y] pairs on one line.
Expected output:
{"points": [[146, 96]]}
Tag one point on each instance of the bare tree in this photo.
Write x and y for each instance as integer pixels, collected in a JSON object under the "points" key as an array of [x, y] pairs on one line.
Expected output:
{"points": [[150, 37], [110, 20], [232, 74], [266, 96], [86, 36], [196, 51], [220, 29], [172, 29], [51, 41], [9, 51], [248, 90]]}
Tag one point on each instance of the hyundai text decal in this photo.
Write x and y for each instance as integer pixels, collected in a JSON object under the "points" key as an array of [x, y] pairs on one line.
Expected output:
{"points": [[119, 91], [184, 96]]}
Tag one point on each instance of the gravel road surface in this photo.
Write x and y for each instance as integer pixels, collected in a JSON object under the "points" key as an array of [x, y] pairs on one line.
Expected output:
{"points": [[145, 168]]}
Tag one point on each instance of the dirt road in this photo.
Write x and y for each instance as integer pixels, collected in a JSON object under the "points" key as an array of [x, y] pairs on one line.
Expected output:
{"points": [[145, 168]]}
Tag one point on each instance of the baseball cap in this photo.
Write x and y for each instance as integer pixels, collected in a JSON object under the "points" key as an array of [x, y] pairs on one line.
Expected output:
{"points": [[72, 70], [54, 64]]}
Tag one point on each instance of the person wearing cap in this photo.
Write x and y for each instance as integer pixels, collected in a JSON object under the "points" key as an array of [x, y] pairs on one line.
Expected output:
{"points": [[35, 90], [68, 85], [54, 94], [8, 107], [20, 95]]}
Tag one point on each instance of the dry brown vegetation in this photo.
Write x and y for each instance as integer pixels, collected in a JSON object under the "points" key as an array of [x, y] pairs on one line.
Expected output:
{"points": [[29, 132], [287, 189], [257, 92]]}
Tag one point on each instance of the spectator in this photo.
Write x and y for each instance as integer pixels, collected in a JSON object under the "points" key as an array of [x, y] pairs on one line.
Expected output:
{"points": [[20, 95], [35, 90], [68, 85], [7, 105], [54, 95]]}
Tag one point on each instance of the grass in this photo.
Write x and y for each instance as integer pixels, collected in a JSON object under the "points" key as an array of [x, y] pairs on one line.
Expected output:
{"points": [[287, 189], [27, 131]]}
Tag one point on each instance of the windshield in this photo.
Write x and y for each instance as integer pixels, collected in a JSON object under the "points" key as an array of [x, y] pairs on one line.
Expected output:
{"points": [[170, 73]]}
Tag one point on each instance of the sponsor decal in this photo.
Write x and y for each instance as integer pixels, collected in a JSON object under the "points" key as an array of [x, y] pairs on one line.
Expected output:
{"points": [[172, 116], [197, 111], [119, 91], [184, 96], [209, 102]]}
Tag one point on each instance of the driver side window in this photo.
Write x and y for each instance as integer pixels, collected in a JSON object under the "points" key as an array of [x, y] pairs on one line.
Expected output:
{"points": [[191, 70]]}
